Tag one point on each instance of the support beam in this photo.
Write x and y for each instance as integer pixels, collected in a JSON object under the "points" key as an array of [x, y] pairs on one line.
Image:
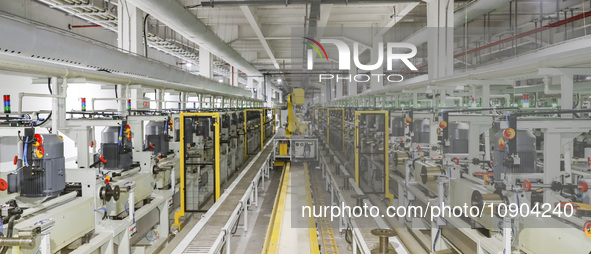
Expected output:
{"points": [[399, 16], [440, 17], [566, 84], [205, 63], [257, 30], [130, 28]]}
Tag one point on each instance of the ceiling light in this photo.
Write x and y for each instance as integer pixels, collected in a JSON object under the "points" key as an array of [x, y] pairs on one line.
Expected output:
{"points": [[221, 80], [279, 80], [189, 65]]}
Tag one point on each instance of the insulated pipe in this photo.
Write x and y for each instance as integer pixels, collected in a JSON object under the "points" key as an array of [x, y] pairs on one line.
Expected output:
{"points": [[16, 64], [475, 10], [174, 15], [40, 51]]}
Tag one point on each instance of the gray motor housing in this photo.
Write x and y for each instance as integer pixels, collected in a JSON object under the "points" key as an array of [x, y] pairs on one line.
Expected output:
{"points": [[526, 149], [45, 176], [458, 138], [117, 157], [189, 129], [421, 131], [156, 135], [398, 127]]}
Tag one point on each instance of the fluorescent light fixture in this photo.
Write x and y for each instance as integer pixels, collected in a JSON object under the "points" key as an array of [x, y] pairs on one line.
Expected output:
{"points": [[279, 80], [221, 80], [189, 65]]}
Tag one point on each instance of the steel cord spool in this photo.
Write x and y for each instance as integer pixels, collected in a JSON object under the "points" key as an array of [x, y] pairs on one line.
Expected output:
{"points": [[400, 157], [483, 201], [430, 173]]}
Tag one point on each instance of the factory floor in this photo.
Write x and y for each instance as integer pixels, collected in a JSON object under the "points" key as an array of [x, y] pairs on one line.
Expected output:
{"points": [[253, 240], [294, 234]]}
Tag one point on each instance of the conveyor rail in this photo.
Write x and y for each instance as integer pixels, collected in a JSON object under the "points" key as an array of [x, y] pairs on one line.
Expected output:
{"points": [[225, 213]]}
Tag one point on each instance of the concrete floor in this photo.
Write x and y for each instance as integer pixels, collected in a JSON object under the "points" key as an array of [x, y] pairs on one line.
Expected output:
{"points": [[253, 240]]}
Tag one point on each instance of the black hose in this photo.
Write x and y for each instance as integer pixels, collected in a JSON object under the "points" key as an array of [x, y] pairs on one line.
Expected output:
{"points": [[349, 235], [145, 35], [50, 113], [236, 225], [116, 95]]}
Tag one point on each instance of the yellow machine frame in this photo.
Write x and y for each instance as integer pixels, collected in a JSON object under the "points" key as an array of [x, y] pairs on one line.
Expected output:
{"points": [[387, 193], [217, 181], [262, 111], [342, 126]]}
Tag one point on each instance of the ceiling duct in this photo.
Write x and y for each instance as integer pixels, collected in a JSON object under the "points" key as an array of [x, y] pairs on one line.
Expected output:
{"points": [[35, 48], [175, 16]]}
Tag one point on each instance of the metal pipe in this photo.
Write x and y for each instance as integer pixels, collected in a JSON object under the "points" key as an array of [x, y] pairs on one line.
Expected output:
{"points": [[6, 241], [530, 32], [294, 2], [105, 99], [22, 95], [83, 26]]}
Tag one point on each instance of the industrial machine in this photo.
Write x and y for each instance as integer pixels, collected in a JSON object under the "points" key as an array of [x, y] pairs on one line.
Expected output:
{"points": [[40, 165], [292, 143]]}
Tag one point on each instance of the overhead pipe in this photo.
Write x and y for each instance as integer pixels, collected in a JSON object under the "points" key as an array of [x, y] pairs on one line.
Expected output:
{"points": [[39, 49], [181, 20], [22, 95], [530, 32], [14, 64], [475, 10], [83, 26], [292, 2], [461, 17], [524, 34]]}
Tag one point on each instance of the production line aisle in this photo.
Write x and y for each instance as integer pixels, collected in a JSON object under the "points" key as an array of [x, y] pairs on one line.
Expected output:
{"points": [[288, 231], [342, 190]]}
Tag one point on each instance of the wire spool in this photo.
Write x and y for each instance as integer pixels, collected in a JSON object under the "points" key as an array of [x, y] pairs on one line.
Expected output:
{"points": [[400, 158], [481, 200], [430, 173]]}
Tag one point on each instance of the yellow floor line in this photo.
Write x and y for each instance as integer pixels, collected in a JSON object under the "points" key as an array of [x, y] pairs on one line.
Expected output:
{"points": [[328, 239], [311, 223], [272, 237]]}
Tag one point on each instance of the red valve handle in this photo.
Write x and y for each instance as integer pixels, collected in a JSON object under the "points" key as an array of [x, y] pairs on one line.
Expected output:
{"points": [[3, 185], [151, 145], [583, 186], [102, 159], [527, 185]]}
